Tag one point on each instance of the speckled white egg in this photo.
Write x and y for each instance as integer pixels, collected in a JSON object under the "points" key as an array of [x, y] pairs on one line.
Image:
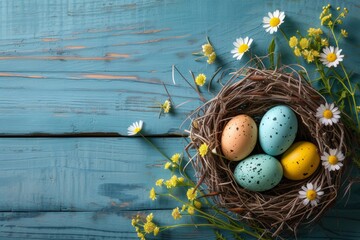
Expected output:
{"points": [[277, 130], [239, 137], [258, 173]]}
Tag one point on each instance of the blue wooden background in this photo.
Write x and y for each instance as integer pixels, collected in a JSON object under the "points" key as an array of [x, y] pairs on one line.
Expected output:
{"points": [[75, 74]]}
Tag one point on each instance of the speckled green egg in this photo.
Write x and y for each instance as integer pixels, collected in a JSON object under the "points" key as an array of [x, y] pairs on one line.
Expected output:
{"points": [[258, 173]]}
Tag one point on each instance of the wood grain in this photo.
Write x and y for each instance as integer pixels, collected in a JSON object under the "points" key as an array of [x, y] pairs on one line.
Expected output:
{"points": [[75, 74], [83, 54], [337, 225]]}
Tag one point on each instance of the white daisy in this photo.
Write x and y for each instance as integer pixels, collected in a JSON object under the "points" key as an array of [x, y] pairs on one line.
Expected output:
{"points": [[331, 57], [241, 46], [273, 22], [328, 114], [311, 193], [135, 128], [333, 159]]}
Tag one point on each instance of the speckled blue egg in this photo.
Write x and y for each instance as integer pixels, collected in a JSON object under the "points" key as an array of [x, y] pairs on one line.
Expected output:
{"points": [[277, 130], [258, 173]]}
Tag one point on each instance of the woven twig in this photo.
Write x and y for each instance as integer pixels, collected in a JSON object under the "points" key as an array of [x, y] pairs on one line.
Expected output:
{"points": [[253, 91]]}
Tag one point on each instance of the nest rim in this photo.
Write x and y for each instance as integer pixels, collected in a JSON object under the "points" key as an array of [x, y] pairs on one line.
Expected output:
{"points": [[252, 91]]}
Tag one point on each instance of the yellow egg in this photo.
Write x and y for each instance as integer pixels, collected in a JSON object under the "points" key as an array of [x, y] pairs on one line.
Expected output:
{"points": [[300, 161], [239, 137]]}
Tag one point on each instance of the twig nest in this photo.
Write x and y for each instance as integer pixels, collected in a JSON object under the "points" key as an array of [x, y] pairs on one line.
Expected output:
{"points": [[252, 92]]}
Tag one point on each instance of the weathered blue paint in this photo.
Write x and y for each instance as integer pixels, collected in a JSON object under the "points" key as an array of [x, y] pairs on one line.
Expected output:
{"points": [[90, 66]]}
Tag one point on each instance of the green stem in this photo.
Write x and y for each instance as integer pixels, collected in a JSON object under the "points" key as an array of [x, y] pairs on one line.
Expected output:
{"points": [[334, 36], [284, 34], [352, 92], [324, 80], [206, 215], [155, 147]]}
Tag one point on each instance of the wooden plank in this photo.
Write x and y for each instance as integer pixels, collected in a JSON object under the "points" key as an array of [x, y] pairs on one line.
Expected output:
{"points": [[76, 174], [88, 174], [76, 106], [70, 68], [338, 224]]}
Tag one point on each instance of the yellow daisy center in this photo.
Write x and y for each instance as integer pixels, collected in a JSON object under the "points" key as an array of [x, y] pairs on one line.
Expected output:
{"points": [[311, 195], [243, 48], [333, 160], [274, 22], [327, 114], [137, 129], [331, 57]]}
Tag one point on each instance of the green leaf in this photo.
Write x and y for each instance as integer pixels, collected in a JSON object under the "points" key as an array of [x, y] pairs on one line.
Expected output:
{"points": [[271, 50]]}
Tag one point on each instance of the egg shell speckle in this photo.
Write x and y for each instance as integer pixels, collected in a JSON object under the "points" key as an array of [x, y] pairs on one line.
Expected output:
{"points": [[300, 161], [258, 173], [277, 130], [239, 137]]}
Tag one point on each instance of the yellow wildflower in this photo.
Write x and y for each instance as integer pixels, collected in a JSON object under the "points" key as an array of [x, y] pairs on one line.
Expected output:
{"points": [[176, 213], [344, 33], [304, 43], [173, 181], [133, 222], [137, 229], [156, 231], [339, 21], [324, 42], [305, 53], [168, 184], [315, 31], [167, 165], [325, 18], [152, 194], [159, 182], [203, 149], [166, 106], [315, 53], [330, 23], [211, 58], [183, 208], [338, 8], [297, 52], [140, 235], [197, 204], [191, 194], [191, 210], [181, 179], [149, 217], [149, 227], [310, 57], [175, 158], [207, 49], [293, 42], [200, 79]]}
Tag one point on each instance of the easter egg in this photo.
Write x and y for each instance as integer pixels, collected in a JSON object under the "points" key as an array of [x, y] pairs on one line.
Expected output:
{"points": [[277, 130], [239, 137], [300, 160], [258, 172]]}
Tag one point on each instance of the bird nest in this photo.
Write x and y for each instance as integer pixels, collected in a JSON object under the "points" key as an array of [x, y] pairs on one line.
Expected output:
{"points": [[253, 91]]}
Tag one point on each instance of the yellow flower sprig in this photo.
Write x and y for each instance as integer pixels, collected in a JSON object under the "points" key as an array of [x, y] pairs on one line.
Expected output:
{"points": [[315, 48], [191, 199], [207, 52]]}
